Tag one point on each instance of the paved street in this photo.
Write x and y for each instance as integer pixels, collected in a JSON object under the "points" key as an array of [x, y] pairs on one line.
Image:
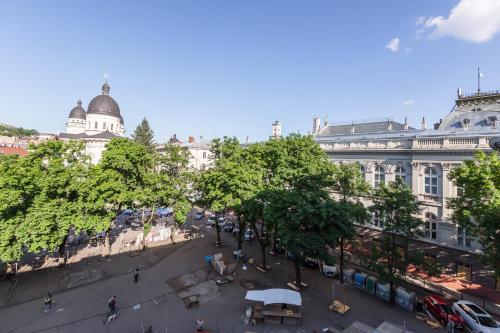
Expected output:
{"points": [[83, 309]]}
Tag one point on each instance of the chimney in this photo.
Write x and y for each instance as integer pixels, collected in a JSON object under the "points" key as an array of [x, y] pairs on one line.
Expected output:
{"points": [[405, 125], [423, 123], [389, 125], [325, 121], [191, 139], [353, 129], [316, 125]]}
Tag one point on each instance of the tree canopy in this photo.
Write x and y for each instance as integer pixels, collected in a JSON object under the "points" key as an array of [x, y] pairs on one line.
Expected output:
{"points": [[144, 135], [477, 209]]}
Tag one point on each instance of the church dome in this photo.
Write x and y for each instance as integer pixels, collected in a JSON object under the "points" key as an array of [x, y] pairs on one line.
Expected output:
{"points": [[77, 112], [104, 104]]}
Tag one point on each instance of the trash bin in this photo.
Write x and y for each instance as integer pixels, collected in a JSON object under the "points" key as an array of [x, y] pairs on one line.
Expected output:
{"points": [[383, 291], [360, 280], [371, 283], [405, 298], [348, 276]]}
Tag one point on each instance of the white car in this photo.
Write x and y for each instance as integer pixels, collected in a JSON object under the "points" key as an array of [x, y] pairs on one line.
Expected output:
{"points": [[476, 319]]}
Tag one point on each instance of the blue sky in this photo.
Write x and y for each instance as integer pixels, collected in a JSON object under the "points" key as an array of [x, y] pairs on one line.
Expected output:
{"points": [[207, 68]]}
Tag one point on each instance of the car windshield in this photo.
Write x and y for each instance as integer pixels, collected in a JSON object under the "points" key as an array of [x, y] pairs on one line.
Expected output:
{"points": [[487, 321], [476, 309]]}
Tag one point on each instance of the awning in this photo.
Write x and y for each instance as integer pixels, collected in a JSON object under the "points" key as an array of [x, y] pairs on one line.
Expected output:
{"points": [[275, 296]]}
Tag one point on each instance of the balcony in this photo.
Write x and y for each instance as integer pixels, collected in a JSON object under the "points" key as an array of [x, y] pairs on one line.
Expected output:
{"points": [[431, 199]]}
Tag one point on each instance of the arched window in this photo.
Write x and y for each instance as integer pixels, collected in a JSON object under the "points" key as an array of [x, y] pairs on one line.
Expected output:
{"points": [[112, 126], [430, 226], [431, 181], [95, 125], [379, 176], [401, 174], [103, 126], [204, 154]]}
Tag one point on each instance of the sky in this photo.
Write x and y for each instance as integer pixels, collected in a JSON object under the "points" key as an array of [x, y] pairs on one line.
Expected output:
{"points": [[215, 68]]}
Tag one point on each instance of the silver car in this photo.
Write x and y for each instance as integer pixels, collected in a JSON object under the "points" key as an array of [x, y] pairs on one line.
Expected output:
{"points": [[476, 319]]}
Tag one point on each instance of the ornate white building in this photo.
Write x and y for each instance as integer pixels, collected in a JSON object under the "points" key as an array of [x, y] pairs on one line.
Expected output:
{"points": [[97, 126], [422, 158]]}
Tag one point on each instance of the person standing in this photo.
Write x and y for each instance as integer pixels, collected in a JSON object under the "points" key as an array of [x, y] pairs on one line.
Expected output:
{"points": [[47, 302], [136, 275], [200, 323]]}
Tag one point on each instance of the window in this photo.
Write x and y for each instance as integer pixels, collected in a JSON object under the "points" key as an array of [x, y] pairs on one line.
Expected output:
{"points": [[377, 220], [363, 172], [103, 126], [112, 126], [430, 226], [204, 154], [401, 174], [431, 181], [95, 126], [460, 191], [379, 176], [463, 238]]}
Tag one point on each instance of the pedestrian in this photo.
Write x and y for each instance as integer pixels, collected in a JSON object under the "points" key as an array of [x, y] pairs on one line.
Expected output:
{"points": [[149, 329], [47, 302], [136, 275], [112, 306]]}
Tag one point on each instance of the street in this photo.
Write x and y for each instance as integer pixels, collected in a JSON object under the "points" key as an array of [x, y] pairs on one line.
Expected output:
{"points": [[83, 309]]}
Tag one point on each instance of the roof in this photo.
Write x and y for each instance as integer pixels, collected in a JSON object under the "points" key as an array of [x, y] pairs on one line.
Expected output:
{"points": [[78, 112], [386, 126], [104, 104], [13, 150], [275, 296], [103, 135]]}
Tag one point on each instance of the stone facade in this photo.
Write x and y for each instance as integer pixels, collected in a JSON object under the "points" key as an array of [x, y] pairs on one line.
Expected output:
{"points": [[422, 157]]}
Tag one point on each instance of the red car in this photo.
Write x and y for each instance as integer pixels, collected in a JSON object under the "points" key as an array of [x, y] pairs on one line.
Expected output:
{"points": [[442, 310]]}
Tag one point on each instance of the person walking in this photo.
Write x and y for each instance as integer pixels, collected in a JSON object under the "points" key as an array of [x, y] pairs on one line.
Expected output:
{"points": [[47, 302], [199, 325], [136, 275], [112, 309]]}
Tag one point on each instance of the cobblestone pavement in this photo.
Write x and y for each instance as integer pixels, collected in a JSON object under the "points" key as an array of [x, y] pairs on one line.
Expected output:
{"points": [[82, 309]]}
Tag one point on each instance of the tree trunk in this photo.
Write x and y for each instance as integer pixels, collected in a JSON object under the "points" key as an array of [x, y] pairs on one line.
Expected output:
{"points": [[217, 229], [275, 239], [298, 281], [261, 244], [240, 226], [341, 261], [61, 249], [392, 263]]}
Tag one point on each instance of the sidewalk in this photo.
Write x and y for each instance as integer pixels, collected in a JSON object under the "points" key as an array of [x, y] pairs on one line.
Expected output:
{"points": [[55, 279]]}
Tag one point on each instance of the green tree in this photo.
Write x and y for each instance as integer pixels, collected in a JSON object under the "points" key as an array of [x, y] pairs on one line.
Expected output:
{"points": [[478, 208], [348, 183], [307, 221], [144, 135], [397, 205]]}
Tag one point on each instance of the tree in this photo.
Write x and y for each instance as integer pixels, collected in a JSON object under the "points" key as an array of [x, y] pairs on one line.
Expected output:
{"points": [[478, 208], [347, 183], [144, 135], [397, 205], [307, 221]]}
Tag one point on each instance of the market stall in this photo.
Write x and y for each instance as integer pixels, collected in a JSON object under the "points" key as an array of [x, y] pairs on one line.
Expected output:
{"points": [[276, 305]]}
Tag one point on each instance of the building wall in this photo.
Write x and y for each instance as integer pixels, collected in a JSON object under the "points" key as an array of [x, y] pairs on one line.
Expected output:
{"points": [[199, 158], [98, 123]]}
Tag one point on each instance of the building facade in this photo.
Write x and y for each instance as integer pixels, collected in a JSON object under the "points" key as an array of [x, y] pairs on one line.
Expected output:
{"points": [[422, 158], [97, 126]]}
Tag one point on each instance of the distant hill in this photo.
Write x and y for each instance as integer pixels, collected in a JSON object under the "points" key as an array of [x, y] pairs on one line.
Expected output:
{"points": [[8, 130]]}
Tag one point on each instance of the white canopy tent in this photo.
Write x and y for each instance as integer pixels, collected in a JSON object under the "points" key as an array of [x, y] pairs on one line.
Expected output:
{"points": [[275, 296]]}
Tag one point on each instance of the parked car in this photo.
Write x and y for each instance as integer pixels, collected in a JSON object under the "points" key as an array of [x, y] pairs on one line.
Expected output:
{"points": [[312, 262], [222, 221], [211, 220], [128, 212], [229, 227], [236, 231], [199, 215], [475, 318], [442, 310], [248, 235]]}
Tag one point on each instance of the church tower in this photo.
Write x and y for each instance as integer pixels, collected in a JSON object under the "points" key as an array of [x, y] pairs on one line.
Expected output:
{"points": [[76, 120]]}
